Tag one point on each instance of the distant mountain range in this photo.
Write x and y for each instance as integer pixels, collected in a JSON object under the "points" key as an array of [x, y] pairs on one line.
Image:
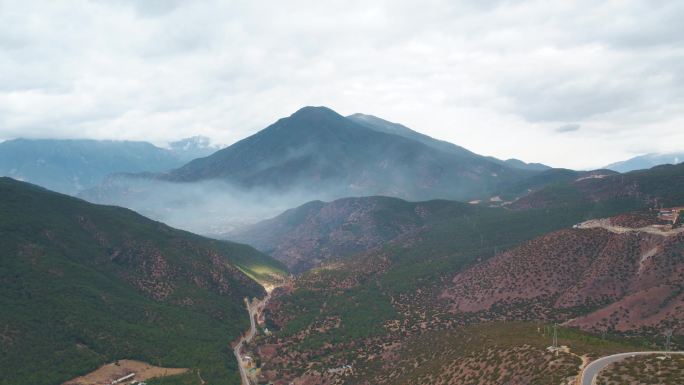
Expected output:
{"points": [[70, 166], [317, 231], [83, 285], [316, 149], [314, 154], [646, 161]]}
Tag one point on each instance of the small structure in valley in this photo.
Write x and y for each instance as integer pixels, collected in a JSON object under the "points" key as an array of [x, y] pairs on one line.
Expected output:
{"points": [[344, 369], [122, 379]]}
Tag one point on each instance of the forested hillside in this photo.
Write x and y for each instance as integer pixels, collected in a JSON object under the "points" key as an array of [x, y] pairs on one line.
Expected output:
{"points": [[463, 265], [83, 284]]}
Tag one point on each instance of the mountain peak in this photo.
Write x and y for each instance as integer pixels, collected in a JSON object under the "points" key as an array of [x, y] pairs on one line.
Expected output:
{"points": [[315, 111], [317, 148], [311, 119]]}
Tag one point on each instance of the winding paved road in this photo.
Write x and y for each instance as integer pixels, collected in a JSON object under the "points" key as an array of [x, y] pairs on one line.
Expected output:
{"points": [[254, 308], [592, 370]]}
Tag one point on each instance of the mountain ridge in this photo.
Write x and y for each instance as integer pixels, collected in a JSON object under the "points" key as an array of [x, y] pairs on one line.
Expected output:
{"points": [[317, 231], [72, 165], [660, 185], [646, 161], [591, 268], [386, 126]]}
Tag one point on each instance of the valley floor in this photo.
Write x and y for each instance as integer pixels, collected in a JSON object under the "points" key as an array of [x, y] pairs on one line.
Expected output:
{"points": [[255, 308]]}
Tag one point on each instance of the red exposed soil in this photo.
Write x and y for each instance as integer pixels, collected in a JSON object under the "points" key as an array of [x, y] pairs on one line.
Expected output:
{"points": [[633, 280]]}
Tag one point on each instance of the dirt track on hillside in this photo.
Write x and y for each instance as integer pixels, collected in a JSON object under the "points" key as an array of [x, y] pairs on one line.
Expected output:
{"points": [[109, 372]]}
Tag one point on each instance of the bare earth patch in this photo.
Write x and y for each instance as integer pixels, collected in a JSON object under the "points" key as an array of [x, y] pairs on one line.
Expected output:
{"points": [[110, 372]]}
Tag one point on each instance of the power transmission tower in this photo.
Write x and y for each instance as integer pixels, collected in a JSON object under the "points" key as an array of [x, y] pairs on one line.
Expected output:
{"points": [[555, 336], [668, 337]]}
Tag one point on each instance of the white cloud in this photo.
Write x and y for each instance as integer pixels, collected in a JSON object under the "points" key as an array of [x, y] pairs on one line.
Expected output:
{"points": [[498, 77]]}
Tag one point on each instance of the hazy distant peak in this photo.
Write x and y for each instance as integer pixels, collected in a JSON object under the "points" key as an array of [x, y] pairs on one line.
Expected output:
{"points": [[193, 147], [311, 119], [197, 141], [315, 112], [646, 161]]}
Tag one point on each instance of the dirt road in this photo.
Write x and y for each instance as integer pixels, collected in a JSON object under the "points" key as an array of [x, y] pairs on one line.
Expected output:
{"points": [[605, 224]]}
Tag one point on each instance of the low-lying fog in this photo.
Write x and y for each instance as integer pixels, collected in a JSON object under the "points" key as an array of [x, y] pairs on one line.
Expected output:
{"points": [[212, 208]]}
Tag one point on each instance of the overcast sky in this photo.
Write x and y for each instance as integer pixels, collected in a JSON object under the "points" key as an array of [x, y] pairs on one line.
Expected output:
{"points": [[576, 84]]}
